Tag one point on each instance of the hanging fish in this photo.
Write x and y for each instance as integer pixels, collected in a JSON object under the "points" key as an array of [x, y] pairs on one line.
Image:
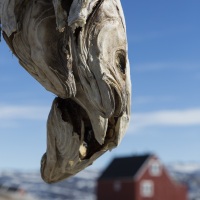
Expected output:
{"points": [[77, 49]]}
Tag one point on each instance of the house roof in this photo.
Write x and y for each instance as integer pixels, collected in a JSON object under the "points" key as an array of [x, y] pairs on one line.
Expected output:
{"points": [[124, 167]]}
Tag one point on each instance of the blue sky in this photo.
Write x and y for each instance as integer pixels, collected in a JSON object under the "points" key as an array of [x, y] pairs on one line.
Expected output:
{"points": [[164, 52]]}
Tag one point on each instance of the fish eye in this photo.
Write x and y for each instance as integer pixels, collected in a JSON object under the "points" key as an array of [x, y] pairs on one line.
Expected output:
{"points": [[120, 58]]}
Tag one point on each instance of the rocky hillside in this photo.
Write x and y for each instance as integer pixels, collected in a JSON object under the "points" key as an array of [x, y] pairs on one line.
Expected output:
{"points": [[80, 187], [188, 174], [83, 185]]}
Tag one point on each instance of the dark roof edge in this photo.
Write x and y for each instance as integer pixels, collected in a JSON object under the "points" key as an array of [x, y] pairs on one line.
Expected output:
{"points": [[142, 160]]}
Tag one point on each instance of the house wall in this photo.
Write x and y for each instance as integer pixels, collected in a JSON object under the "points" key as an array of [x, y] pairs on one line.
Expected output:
{"points": [[164, 188], [115, 189]]}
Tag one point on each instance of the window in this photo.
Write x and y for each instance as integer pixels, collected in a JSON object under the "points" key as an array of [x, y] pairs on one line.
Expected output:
{"points": [[146, 188], [155, 168], [117, 186]]}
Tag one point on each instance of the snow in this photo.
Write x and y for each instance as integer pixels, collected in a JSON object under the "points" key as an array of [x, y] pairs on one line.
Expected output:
{"points": [[83, 185], [186, 167], [80, 187]]}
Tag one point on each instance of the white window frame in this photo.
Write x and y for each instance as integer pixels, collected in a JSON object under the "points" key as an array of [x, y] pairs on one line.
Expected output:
{"points": [[147, 188], [155, 168]]}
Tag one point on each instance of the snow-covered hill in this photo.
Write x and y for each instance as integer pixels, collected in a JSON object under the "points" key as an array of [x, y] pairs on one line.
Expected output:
{"points": [[189, 174], [80, 187], [83, 185]]}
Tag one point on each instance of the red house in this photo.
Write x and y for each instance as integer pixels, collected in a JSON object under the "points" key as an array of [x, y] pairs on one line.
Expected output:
{"points": [[138, 178]]}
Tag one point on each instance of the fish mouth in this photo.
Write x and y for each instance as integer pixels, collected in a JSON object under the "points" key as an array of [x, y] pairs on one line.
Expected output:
{"points": [[75, 138], [89, 138]]}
